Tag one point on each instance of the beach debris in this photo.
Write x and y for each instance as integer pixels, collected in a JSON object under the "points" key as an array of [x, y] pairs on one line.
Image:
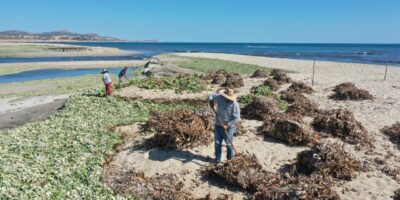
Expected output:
{"points": [[277, 187], [280, 76], [135, 182], [259, 74], [300, 87], [393, 132], [341, 123], [327, 159], [291, 131], [300, 105], [207, 76], [233, 81], [396, 195], [260, 107], [219, 197], [218, 79], [179, 129], [348, 91], [291, 96], [242, 170], [272, 83], [246, 172], [222, 71], [392, 171], [303, 107]]}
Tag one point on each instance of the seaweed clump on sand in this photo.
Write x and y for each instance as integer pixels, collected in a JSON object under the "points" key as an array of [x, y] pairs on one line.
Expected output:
{"points": [[300, 105], [328, 160], [296, 187], [272, 83], [289, 130], [303, 107], [292, 96], [280, 76], [396, 195], [233, 81], [218, 79], [242, 170], [246, 172], [341, 123], [260, 107], [300, 87], [348, 91], [179, 129], [259, 74], [165, 186], [393, 132]]}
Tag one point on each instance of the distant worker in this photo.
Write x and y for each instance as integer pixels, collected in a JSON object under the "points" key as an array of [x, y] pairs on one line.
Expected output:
{"points": [[227, 116], [107, 81], [122, 74]]}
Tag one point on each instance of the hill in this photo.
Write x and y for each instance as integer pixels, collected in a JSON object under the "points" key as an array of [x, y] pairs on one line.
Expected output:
{"points": [[55, 36]]}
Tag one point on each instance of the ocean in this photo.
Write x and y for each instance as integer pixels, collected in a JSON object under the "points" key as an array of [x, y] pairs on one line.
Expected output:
{"points": [[381, 54]]}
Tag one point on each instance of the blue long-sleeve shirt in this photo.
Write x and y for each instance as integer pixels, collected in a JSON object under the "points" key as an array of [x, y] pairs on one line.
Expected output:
{"points": [[228, 112]]}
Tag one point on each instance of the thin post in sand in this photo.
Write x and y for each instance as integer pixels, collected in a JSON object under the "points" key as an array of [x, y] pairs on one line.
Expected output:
{"points": [[384, 79], [313, 73]]}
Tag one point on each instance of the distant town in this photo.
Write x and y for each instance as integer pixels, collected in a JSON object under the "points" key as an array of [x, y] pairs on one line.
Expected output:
{"points": [[58, 36]]}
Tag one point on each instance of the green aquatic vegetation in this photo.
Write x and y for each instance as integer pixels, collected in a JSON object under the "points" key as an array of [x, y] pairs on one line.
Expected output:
{"points": [[190, 84], [61, 157], [261, 91], [53, 86], [245, 100], [211, 65]]}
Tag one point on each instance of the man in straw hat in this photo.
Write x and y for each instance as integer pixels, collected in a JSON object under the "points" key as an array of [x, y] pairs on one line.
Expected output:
{"points": [[107, 81], [228, 114]]}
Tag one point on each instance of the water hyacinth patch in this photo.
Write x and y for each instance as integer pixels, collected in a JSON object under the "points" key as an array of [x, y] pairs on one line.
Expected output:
{"points": [[61, 157]]}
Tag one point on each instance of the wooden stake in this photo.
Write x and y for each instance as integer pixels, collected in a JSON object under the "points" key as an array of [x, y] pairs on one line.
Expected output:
{"points": [[313, 73], [385, 72]]}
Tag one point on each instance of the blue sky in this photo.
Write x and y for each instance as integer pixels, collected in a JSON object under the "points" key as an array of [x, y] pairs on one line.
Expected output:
{"points": [[319, 21]]}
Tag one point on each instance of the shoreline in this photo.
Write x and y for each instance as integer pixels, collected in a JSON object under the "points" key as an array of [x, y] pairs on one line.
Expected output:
{"points": [[10, 68], [39, 50]]}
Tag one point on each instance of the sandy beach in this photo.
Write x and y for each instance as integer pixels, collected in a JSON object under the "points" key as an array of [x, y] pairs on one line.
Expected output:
{"points": [[373, 114], [7, 68], [18, 49]]}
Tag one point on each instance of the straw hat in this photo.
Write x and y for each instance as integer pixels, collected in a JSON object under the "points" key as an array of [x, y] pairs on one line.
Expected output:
{"points": [[104, 71], [227, 93]]}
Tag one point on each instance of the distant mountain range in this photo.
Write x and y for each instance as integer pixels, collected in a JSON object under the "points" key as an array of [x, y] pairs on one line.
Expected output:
{"points": [[55, 36]]}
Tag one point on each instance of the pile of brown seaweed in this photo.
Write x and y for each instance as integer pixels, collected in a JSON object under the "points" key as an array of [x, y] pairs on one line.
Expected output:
{"points": [[272, 83], [179, 129], [341, 123], [233, 81], [280, 76], [396, 195], [393, 132], [284, 128], [218, 79], [303, 107], [259, 74], [132, 182], [348, 91], [328, 160], [242, 170], [300, 105], [246, 172], [277, 187], [260, 107], [300, 87]]}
